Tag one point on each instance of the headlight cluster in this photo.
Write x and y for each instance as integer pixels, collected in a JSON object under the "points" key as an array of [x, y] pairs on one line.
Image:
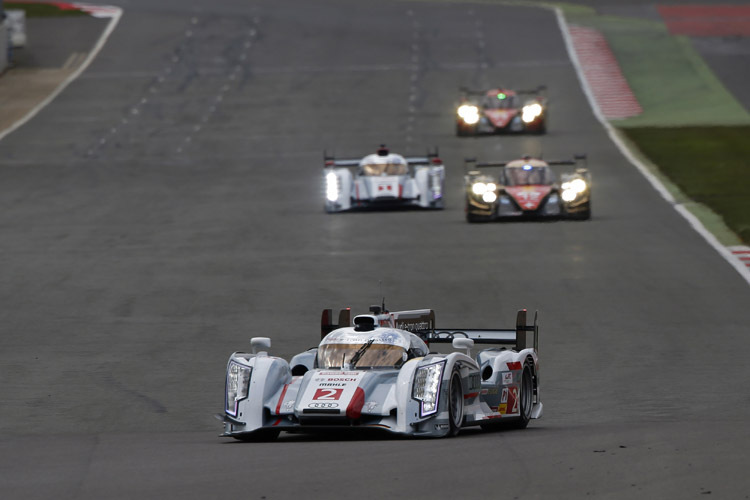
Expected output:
{"points": [[530, 112], [486, 190], [572, 189], [427, 387], [238, 384], [332, 186], [469, 113]]}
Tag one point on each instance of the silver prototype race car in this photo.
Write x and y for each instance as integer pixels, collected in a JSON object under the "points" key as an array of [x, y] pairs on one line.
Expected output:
{"points": [[382, 180], [380, 374]]}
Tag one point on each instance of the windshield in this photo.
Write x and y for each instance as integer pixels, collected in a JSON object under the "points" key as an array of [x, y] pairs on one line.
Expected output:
{"points": [[500, 101], [385, 169], [528, 176], [373, 356]]}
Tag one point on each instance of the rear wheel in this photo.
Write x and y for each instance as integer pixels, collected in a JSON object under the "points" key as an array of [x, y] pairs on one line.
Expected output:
{"points": [[455, 404], [526, 396]]}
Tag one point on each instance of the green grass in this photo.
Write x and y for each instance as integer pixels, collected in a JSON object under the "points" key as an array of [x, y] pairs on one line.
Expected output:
{"points": [[42, 9], [710, 164]]}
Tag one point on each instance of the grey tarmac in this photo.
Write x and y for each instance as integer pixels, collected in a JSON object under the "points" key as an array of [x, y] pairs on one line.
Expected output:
{"points": [[168, 206]]}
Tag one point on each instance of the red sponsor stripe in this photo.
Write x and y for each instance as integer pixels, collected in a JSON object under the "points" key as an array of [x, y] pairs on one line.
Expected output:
{"points": [[354, 410], [276, 423], [515, 365], [283, 393], [471, 395]]}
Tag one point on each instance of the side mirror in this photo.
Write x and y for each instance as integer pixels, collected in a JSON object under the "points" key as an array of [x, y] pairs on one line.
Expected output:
{"points": [[463, 343], [260, 344]]}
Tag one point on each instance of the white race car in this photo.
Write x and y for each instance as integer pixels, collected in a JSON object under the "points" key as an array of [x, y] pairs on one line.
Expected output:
{"points": [[381, 374], [382, 180]]}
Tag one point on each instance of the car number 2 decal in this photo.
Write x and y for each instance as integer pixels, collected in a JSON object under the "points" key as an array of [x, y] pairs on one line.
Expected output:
{"points": [[328, 394], [513, 399]]}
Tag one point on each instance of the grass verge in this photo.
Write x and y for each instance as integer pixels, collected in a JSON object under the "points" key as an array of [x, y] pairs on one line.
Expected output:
{"points": [[33, 9], [709, 164]]}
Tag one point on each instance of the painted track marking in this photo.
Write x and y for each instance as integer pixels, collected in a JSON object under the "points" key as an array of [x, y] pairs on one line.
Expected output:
{"points": [[114, 14]]}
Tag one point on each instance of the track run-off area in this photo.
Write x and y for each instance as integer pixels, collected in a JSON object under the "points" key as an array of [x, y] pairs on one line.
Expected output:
{"points": [[167, 206]]}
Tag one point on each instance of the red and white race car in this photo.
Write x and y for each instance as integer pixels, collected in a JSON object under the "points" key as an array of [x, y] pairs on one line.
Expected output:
{"points": [[500, 110], [527, 188]]}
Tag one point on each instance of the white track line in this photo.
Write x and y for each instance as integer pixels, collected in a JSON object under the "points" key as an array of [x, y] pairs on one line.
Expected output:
{"points": [[115, 13], [725, 252]]}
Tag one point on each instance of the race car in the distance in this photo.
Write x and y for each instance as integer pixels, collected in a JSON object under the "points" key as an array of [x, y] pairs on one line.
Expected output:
{"points": [[527, 188], [383, 180], [501, 110], [380, 373]]}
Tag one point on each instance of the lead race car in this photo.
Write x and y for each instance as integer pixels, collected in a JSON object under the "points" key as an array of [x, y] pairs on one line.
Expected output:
{"points": [[380, 374], [382, 180], [527, 188], [501, 110]]}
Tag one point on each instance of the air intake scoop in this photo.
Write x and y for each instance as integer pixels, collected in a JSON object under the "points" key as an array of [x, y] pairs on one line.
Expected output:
{"points": [[364, 323]]}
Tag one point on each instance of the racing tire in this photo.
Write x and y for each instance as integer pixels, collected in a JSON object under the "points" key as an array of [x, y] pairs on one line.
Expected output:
{"points": [[259, 436], [525, 405], [526, 397], [455, 404], [470, 217]]}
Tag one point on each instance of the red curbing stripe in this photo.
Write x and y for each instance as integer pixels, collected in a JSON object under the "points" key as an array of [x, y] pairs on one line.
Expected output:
{"points": [[283, 393], [602, 72]]}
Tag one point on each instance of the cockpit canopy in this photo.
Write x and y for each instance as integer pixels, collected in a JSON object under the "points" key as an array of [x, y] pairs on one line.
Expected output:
{"points": [[379, 348], [528, 172], [377, 169], [388, 164], [499, 99]]}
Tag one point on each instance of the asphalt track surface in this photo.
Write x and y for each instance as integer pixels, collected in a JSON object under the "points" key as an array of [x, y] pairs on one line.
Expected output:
{"points": [[168, 206]]}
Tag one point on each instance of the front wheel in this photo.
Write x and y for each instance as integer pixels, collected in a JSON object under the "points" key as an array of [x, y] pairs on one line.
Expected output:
{"points": [[455, 404]]}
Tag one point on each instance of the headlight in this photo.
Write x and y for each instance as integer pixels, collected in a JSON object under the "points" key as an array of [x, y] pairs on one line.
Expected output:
{"points": [[489, 196], [468, 113], [427, 387], [569, 195], [332, 186], [578, 185], [479, 188], [238, 384], [531, 111]]}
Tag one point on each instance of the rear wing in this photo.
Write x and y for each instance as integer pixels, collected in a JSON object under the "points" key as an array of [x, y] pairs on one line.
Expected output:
{"points": [[518, 337], [430, 158], [474, 163], [537, 91], [421, 322]]}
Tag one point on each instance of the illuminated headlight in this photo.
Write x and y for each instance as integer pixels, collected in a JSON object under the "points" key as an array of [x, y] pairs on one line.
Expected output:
{"points": [[427, 387], [479, 188], [573, 188], [569, 195], [578, 185], [332, 186], [237, 385], [468, 113], [489, 197], [530, 112]]}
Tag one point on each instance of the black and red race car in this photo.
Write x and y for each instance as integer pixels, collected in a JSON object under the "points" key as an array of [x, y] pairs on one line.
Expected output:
{"points": [[527, 188], [501, 110]]}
